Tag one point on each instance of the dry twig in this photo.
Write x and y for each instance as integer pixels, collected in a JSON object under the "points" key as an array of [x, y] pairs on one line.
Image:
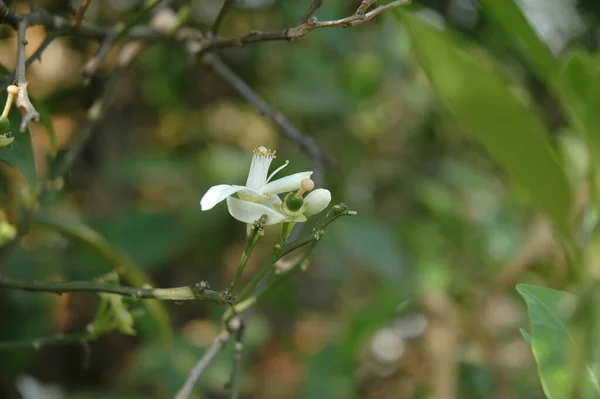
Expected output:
{"points": [[204, 361], [80, 13], [314, 6]]}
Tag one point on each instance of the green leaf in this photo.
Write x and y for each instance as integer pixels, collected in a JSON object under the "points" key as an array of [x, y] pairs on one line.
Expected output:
{"points": [[578, 84], [511, 132], [19, 154], [515, 25], [552, 340], [526, 335]]}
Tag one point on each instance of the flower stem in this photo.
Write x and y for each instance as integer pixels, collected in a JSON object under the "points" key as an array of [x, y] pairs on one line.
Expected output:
{"points": [[280, 274], [281, 249], [254, 232]]}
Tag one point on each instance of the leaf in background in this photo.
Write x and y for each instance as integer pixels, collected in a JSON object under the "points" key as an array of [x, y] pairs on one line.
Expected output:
{"points": [[512, 134], [552, 341], [578, 84], [515, 25], [86, 236], [19, 154]]}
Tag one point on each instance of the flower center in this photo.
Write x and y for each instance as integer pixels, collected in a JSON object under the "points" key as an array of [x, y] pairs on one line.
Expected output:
{"points": [[259, 168]]}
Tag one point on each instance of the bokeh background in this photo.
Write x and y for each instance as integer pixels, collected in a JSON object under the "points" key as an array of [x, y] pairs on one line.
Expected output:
{"points": [[412, 298]]}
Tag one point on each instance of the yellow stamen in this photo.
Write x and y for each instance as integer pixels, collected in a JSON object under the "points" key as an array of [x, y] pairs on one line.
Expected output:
{"points": [[305, 185], [265, 152], [12, 93]]}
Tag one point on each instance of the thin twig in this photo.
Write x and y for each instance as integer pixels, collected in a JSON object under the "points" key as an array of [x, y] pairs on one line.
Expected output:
{"points": [[64, 27], [307, 144], [334, 213], [38, 343], [364, 6], [256, 231], [121, 31], [294, 33], [237, 361], [80, 13], [187, 293], [93, 63], [226, 6], [23, 103], [314, 6], [204, 361]]}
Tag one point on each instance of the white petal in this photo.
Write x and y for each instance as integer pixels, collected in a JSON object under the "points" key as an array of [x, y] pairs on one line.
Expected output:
{"points": [[316, 201], [248, 212], [216, 194], [273, 200], [285, 184]]}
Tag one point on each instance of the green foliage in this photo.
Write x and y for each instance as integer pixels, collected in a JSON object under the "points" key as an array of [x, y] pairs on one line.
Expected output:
{"points": [[496, 117], [523, 37], [554, 339], [19, 154]]}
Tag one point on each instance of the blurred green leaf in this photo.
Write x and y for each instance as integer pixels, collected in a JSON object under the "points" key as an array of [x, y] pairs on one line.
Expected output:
{"points": [[324, 380], [19, 154], [579, 89], [515, 25], [552, 340], [85, 235], [512, 133], [525, 335]]}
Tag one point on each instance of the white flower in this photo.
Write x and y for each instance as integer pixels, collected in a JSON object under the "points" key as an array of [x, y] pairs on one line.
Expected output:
{"points": [[259, 196]]}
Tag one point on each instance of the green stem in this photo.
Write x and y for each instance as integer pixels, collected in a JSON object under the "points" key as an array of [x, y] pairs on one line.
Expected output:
{"points": [[254, 233], [187, 293], [279, 276], [282, 250], [262, 272]]}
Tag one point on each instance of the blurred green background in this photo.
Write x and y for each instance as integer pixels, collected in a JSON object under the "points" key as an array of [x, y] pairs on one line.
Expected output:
{"points": [[413, 298]]}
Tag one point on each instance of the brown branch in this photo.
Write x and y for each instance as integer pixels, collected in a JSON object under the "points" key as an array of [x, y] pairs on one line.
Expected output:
{"points": [[305, 143], [205, 44], [93, 63], [80, 13], [364, 6], [23, 103], [314, 6]]}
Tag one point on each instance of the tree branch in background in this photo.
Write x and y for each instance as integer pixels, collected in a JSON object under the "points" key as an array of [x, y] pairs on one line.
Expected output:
{"points": [[306, 143], [198, 291], [364, 6], [314, 6], [80, 13], [204, 361], [237, 361], [109, 36], [120, 32], [296, 32], [39, 343], [23, 103], [226, 6]]}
